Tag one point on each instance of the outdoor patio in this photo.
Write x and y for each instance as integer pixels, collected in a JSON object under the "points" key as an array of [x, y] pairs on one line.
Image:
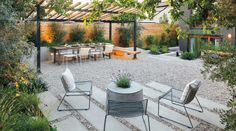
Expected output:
{"points": [[156, 74]]}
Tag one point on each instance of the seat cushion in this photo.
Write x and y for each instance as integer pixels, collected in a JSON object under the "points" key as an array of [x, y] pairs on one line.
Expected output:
{"points": [[69, 79], [192, 85]]}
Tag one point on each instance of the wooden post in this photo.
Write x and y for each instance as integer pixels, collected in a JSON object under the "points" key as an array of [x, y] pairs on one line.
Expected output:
{"points": [[38, 39]]}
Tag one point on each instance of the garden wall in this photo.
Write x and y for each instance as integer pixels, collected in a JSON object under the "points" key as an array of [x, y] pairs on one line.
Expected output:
{"points": [[148, 29]]}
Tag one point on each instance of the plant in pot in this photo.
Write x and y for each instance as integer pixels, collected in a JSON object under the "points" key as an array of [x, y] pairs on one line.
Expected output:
{"points": [[122, 80]]}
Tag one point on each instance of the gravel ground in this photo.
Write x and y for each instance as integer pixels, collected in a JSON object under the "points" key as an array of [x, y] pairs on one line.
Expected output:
{"points": [[166, 69]]}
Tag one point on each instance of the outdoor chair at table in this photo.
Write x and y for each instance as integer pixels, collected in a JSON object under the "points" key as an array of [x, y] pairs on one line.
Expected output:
{"points": [[127, 110], [96, 52], [83, 53], [108, 50], [69, 53], [182, 98], [75, 88]]}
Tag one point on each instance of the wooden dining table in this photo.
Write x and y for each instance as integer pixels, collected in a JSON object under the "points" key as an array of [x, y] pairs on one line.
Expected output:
{"points": [[58, 49]]}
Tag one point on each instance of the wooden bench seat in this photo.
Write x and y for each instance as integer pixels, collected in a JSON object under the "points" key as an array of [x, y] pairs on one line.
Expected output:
{"points": [[119, 51]]}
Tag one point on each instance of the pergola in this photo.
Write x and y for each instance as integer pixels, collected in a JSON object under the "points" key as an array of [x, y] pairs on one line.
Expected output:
{"points": [[76, 12]]}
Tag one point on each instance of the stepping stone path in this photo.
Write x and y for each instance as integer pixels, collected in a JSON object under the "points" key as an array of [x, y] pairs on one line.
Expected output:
{"points": [[93, 119]]}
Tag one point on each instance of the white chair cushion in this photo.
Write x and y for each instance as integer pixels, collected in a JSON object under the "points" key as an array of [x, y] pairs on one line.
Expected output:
{"points": [[69, 79], [194, 84]]}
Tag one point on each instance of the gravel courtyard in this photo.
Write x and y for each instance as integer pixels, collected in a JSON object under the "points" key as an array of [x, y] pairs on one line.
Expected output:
{"points": [[166, 69]]}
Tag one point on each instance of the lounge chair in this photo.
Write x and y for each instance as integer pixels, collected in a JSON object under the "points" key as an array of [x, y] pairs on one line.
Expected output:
{"points": [[73, 88], [182, 98]]}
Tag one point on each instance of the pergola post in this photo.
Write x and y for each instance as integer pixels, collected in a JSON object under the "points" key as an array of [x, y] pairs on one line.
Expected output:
{"points": [[38, 39], [135, 45], [110, 30]]}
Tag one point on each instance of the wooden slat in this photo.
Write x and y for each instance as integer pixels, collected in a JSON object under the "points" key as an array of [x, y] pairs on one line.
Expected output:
{"points": [[77, 16]]}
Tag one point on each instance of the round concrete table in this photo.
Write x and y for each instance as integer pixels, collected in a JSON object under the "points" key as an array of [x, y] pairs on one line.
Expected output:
{"points": [[134, 93]]}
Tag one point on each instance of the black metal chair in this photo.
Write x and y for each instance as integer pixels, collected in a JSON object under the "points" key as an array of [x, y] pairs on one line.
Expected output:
{"points": [[174, 95], [83, 88], [127, 110]]}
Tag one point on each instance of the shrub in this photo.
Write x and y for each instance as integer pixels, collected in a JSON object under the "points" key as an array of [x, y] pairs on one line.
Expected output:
{"points": [[151, 40], [140, 43], [57, 32], [124, 37], [164, 49], [98, 34], [187, 56], [123, 82], [154, 49], [26, 123], [77, 34], [122, 79]]}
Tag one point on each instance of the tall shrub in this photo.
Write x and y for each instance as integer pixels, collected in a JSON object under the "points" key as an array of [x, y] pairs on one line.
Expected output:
{"points": [[98, 33], [77, 34], [151, 40], [124, 37], [57, 32]]}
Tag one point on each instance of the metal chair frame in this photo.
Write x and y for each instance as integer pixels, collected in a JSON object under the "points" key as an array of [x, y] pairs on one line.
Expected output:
{"points": [[76, 93], [122, 107], [182, 104]]}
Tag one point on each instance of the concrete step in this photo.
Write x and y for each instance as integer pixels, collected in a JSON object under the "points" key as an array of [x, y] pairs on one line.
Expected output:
{"points": [[95, 115], [207, 116], [48, 106], [208, 104], [70, 124], [100, 96]]}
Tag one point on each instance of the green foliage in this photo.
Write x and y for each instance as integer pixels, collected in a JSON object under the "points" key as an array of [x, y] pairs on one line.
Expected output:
{"points": [[140, 43], [125, 36], [26, 123], [20, 112], [98, 34], [151, 40], [154, 49], [122, 79], [77, 34], [220, 65], [187, 56], [163, 49], [163, 19], [57, 32], [123, 82], [99, 6]]}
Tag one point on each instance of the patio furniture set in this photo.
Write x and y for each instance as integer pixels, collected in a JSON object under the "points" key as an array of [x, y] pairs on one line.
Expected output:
{"points": [[62, 54], [129, 102]]}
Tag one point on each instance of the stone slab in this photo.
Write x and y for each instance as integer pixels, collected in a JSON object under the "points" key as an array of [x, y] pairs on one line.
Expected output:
{"points": [[100, 96], [208, 116], [209, 104], [96, 115], [48, 106], [70, 124]]}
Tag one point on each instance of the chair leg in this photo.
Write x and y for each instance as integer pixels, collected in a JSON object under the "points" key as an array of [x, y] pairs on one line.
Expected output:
{"points": [[174, 120], [199, 104], [158, 107], [89, 102], [148, 122], [105, 120], [61, 102], [188, 118], [147, 129]]}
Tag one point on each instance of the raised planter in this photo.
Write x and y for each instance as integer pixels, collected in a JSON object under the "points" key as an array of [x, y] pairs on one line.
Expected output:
{"points": [[44, 53], [134, 93]]}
